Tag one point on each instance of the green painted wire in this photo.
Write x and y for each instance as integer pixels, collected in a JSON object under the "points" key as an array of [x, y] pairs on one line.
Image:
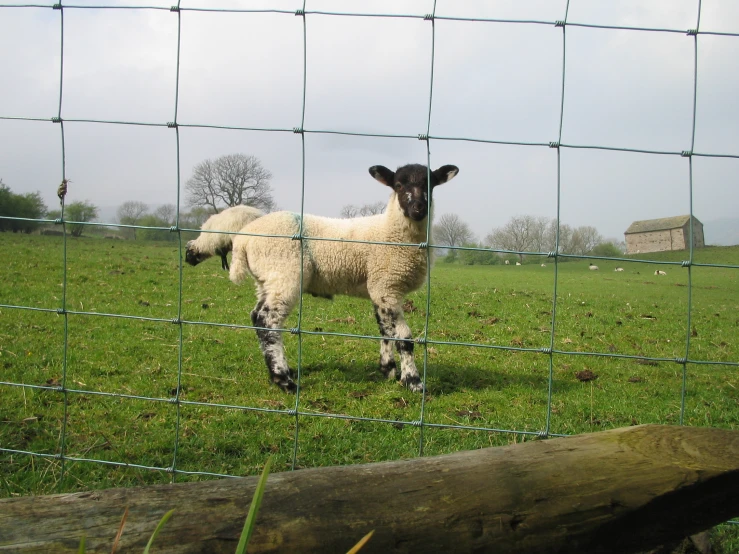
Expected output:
{"points": [[428, 240], [178, 390], [684, 387], [550, 377], [303, 245], [65, 356]]}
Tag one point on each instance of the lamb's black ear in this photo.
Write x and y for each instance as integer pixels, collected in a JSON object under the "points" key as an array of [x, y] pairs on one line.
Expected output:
{"points": [[382, 174], [445, 173]]}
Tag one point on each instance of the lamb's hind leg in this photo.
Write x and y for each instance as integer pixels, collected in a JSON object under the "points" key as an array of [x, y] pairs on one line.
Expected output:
{"points": [[392, 324], [271, 313]]}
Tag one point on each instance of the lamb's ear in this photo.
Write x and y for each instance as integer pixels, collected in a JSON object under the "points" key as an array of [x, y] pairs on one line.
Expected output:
{"points": [[382, 174], [445, 173]]}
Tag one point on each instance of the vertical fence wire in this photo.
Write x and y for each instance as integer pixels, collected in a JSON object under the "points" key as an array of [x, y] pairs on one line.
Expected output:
{"points": [[178, 320], [295, 412]]}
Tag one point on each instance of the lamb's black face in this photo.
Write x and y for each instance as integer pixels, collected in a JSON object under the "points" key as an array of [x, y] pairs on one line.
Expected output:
{"points": [[193, 257], [411, 185]]}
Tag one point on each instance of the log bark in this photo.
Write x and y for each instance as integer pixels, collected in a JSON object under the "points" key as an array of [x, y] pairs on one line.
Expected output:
{"points": [[624, 490]]}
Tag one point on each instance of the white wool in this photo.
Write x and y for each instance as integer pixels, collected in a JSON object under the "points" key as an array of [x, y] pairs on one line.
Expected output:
{"points": [[329, 267], [231, 220]]}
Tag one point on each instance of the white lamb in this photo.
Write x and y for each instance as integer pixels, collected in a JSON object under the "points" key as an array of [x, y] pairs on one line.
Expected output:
{"points": [[593, 267], [381, 272], [660, 272], [210, 243]]}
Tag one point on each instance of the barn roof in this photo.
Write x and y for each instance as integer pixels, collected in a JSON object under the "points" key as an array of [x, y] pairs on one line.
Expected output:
{"points": [[661, 224]]}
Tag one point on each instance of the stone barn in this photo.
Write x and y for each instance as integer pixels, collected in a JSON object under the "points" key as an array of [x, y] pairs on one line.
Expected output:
{"points": [[667, 233]]}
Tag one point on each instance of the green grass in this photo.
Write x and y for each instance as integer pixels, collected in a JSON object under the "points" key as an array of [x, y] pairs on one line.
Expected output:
{"points": [[633, 313]]}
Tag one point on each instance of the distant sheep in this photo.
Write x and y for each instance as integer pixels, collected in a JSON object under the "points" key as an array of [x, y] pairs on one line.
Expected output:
{"points": [[507, 262], [619, 269], [382, 273], [219, 244], [543, 265], [593, 267], [518, 263], [660, 272]]}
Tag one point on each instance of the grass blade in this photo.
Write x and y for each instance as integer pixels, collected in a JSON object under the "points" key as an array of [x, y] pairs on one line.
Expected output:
{"points": [[120, 531], [81, 549], [256, 501], [356, 548], [164, 519]]}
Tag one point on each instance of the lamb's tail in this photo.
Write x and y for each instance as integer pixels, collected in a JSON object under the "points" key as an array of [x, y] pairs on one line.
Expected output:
{"points": [[239, 264]]}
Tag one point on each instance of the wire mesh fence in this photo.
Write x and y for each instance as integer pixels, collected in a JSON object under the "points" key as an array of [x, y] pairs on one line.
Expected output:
{"points": [[295, 411]]}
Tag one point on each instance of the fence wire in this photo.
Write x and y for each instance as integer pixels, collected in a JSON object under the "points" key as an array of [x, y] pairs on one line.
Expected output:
{"points": [[296, 413]]}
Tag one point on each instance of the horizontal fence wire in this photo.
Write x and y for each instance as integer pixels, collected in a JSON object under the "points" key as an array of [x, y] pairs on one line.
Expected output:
{"points": [[298, 412]]}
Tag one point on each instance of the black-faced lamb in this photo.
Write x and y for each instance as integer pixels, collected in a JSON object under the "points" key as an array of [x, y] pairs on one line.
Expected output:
{"points": [[384, 273], [211, 243]]}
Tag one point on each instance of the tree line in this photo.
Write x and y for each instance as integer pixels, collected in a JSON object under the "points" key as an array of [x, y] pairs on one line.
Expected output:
{"points": [[30, 206], [522, 233]]}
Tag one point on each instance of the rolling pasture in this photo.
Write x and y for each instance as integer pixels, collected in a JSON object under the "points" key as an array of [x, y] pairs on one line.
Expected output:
{"points": [[488, 368]]}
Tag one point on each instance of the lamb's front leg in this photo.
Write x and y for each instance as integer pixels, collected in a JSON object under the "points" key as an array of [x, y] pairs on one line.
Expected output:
{"points": [[387, 358], [272, 316], [392, 324]]}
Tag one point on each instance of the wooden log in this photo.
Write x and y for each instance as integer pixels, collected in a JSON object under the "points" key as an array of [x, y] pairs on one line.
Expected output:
{"points": [[624, 490]]}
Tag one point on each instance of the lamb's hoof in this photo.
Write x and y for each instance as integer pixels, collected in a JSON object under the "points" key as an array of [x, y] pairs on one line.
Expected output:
{"points": [[390, 371], [285, 382], [413, 382]]}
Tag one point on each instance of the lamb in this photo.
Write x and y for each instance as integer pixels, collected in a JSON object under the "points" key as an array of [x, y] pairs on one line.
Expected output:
{"points": [[384, 273], [593, 267], [660, 272], [619, 269], [207, 244]]}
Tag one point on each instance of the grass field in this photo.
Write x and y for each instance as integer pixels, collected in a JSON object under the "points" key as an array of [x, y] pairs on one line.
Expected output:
{"points": [[485, 367]]}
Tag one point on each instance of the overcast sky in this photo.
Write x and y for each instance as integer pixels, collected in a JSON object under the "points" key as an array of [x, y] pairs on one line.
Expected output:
{"points": [[491, 81]]}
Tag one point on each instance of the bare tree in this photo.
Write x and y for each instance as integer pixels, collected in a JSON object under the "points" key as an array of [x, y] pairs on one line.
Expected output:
{"points": [[518, 235], [166, 213], [230, 181], [452, 231], [584, 239], [350, 210], [565, 237], [131, 212]]}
